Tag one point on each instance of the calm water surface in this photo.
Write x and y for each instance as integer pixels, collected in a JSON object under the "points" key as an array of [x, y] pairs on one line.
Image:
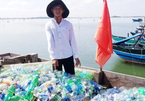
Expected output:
{"points": [[28, 36]]}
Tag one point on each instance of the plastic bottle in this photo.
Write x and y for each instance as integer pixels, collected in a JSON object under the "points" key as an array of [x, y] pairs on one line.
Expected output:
{"points": [[77, 80], [2, 96], [78, 98], [26, 84], [141, 90], [59, 74], [7, 81], [122, 88], [42, 79], [57, 97], [33, 84], [44, 97], [3, 76], [135, 93], [19, 87], [77, 73], [96, 86], [50, 88], [53, 80], [58, 88], [10, 92], [84, 74], [15, 98], [46, 67], [3, 87], [71, 84], [68, 88], [36, 91], [89, 76], [41, 89]]}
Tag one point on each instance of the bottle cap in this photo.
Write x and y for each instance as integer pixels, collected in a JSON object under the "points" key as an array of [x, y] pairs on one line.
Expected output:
{"points": [[31, 92]]}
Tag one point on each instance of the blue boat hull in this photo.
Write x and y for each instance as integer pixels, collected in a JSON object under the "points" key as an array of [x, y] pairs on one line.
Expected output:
{"points": [[130, 55], [137, 20]]}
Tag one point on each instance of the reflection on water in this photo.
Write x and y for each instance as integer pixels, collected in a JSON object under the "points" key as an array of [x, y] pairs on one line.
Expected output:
{"points": [[122, 66], [24, 36]]}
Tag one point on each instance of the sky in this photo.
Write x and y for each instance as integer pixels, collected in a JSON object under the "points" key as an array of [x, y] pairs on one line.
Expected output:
{"points": [[78, 8]]}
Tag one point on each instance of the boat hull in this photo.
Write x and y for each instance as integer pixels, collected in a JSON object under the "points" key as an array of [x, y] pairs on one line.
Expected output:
{"points": [[137, 20], [130, 55], [106, 78], [118, 38]]}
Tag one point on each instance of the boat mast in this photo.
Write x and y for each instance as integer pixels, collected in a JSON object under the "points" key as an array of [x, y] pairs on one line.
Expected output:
{"points": [[141, 32], [144, 22]]}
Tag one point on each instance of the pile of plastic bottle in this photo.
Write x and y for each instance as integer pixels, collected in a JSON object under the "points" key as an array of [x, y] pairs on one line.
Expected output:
{"points": [[40, 82], [121, 94], [24, 83]]}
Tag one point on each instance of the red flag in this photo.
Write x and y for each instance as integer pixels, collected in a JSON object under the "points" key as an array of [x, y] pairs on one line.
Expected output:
{"points": [[103, 37]]}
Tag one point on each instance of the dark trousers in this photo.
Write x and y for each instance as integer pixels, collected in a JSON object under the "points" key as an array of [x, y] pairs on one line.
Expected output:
{"points": [[68, 64]]}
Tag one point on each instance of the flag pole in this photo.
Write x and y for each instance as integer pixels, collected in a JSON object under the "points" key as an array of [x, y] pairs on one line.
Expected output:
{"points": [[100, 81], [100, 69]]}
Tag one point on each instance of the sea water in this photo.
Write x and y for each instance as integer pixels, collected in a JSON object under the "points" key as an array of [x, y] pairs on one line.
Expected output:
{"points": [[24, 36]]}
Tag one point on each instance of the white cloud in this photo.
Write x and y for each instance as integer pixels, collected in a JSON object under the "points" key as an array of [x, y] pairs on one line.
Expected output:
{"points": [[89, 1], [3, 9], [17, 2], [127, 7], [78, 8], [13, 2], [24, 3]]}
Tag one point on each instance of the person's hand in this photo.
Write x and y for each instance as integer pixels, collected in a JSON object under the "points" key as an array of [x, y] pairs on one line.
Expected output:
{"points": [[55, 63], [78, 63]]}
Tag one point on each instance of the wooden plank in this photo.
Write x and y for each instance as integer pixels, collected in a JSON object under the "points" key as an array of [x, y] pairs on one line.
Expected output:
{"points": [[13, 54], [4, 58], [8, 54], [119, 80], [5, 54], [33, 57], [16, 59], [11, 58], [1, 63], [42, 60], [111, 79]]}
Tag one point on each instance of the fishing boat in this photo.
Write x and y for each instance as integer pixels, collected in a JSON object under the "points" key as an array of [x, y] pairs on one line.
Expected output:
{"points": [[139, 29], [107, 78], [12, 58], [137, 20], [132, 41], [130, 52]]}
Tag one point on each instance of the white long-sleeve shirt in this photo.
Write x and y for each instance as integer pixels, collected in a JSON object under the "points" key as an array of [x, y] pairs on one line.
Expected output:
{"points": [[61, 39]]}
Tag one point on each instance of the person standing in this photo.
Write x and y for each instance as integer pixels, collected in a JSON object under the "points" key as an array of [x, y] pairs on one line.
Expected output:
{"points": [[62, 45]]}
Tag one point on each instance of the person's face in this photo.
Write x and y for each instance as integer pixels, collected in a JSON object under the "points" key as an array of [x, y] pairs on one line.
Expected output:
{"points": [[57, 11]]}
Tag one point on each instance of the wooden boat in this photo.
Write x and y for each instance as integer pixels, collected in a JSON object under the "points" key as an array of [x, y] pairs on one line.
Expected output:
{"points": [[130, 52], [137, 20], [12, 58], [133, 41], [140, 29], [106, 78], [132, 33]]}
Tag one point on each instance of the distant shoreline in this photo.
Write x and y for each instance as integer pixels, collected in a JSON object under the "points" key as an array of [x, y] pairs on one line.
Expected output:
{"points": [[73, 17]]}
